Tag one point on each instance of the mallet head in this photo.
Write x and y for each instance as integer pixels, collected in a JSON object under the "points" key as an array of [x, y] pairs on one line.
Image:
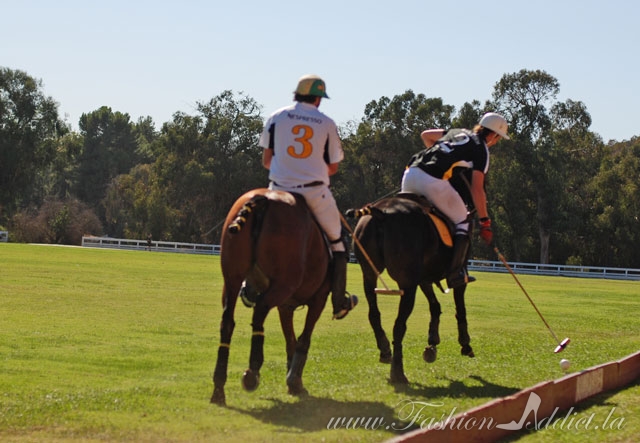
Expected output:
{"points": [[563, 344]]}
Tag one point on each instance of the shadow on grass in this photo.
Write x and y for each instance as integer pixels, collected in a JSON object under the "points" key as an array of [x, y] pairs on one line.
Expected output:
{"points": [[457, 389], [311, 414]]}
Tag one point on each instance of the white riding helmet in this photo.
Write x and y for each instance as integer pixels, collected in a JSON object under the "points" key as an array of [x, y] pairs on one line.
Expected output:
{"points": [[496, 123]]}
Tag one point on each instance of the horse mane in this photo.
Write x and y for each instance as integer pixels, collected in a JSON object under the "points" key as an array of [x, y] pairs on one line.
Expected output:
{"points": [[257, 204], [254, 204]]}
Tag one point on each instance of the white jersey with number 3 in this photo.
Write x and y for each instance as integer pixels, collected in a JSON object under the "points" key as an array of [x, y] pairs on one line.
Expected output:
{"points": [[304, 142]]}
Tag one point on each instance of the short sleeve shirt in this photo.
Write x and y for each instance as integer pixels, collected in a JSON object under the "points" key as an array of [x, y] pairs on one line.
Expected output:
{"points": [[304, 141], [459, 148]]}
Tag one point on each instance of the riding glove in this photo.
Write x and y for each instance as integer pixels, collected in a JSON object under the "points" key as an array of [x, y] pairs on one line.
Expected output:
{"points": [[485, 230]]}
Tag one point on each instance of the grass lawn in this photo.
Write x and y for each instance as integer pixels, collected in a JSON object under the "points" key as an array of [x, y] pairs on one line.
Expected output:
{"points": [[106, 345]]}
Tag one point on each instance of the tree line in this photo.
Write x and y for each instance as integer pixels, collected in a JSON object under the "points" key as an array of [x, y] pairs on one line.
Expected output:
{"points": [[557, 193]]}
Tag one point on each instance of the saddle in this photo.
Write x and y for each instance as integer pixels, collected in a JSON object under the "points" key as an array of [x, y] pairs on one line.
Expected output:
{"points": [[442, 223]]}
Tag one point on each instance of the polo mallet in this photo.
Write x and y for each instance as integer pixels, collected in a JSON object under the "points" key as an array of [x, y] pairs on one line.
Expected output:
{"points": [[561, 344], [386, 290]]}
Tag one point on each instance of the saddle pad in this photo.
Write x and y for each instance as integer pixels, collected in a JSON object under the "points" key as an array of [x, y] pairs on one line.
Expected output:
{"points": [[441, 225], [443, 229]]}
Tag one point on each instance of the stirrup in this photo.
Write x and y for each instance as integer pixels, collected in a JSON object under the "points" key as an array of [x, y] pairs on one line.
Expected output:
{"points": [[460, 279], [352, 300]]}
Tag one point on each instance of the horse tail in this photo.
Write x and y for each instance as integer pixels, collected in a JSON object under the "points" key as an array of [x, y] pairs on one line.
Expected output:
{"points": [[245, 212], [361, 212]]}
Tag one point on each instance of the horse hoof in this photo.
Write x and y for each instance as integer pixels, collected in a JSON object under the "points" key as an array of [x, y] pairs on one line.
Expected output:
{"points": [[385, 358], [430, 353], [250, 380], [398, 378], [466, 350], [296, 388], [298, 393], [218, 397]]}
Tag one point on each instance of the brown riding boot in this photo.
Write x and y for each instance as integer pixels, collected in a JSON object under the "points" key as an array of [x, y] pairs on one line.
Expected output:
{"points": [[341, 304], [457, 275]]}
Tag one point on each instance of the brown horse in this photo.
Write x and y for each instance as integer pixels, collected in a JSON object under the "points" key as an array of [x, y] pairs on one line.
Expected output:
{"points": [[272, 242], [399, 236]]}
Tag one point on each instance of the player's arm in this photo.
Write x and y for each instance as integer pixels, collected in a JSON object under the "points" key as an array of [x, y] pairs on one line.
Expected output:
{"points": [[478, 195], [431, 136], [267, 154]]}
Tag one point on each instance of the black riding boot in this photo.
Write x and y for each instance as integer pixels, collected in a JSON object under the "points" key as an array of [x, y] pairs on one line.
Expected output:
{"points": [[341, 304], [457, 275]]}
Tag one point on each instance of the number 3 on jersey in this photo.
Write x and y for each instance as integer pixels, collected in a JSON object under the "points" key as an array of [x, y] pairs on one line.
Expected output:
{"points": [[304, 134]]}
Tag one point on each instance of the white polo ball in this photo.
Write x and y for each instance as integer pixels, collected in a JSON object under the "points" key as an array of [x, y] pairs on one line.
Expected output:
{"points": [[565, 364]]}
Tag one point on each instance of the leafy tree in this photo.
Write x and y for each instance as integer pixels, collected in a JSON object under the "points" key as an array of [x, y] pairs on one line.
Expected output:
{"points": [[583, 153], [136, 207], [203, 163], [57, 222], [469, 115], [59, 178], [110, 148], [384, 141], [551, 155], [524, 98], [29, 129], [612, 236]]}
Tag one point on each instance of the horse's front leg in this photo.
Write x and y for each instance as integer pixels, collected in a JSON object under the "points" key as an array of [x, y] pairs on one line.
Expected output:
{"points": [[251, 377], [461, 317], [299, 360], [227, 326], [430, 352], [375, 319], [407, 302]]}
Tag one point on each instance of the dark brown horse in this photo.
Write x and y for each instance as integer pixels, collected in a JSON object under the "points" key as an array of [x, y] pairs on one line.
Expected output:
{"points": [[398, 235], [271, 240]]}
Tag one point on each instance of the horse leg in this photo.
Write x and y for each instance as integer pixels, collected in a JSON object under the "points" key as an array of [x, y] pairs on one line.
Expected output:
{"points": [[286, 323], [227, 326], [251, 377], [430, 352], [294, 376], [461, 317], [375, 320], [407, 302]]}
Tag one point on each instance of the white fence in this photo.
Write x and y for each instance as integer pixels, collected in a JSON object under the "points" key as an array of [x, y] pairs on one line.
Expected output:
{"points": [[559, 270], [142, 245], [474, 265]]}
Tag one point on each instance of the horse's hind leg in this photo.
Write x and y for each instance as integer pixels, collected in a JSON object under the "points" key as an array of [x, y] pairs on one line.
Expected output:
{"points": [[286, 323], [294, 376], [430, 352], [251, 377], [227, 326], [461, 317]]}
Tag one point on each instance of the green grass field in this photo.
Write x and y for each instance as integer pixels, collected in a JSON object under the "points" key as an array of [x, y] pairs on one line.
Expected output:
{"points": [[105, 345]]}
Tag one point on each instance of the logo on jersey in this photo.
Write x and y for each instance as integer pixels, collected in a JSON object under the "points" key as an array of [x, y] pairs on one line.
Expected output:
{"points": [[304, 118]]}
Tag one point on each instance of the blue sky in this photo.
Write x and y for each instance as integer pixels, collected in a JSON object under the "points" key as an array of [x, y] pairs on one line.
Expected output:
{"points": [[158, 57]]}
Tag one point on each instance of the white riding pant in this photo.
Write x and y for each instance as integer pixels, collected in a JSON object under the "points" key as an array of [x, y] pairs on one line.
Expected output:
{"points": [[324, 208], [440, 193]]}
